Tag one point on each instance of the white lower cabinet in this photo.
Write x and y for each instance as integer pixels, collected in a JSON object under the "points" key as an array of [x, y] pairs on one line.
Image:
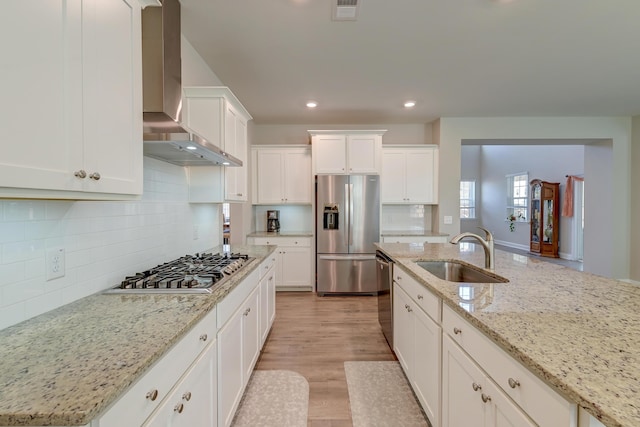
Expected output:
{"points": [[238, 345], [192, 401], [293, 261], [470, 398], [267, 298], [536, 399], [417, 345]]}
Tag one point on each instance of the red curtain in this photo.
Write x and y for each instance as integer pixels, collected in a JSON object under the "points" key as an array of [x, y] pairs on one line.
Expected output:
{"points": [[567, 205]]}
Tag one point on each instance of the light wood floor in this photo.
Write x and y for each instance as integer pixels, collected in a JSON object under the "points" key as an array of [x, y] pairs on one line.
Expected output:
{"points": [[314, 336]]}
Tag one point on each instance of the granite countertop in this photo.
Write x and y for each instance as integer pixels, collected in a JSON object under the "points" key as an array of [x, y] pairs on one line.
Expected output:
{"points": [[578, 332], [281, 234], [411, 233], [66, 366]]}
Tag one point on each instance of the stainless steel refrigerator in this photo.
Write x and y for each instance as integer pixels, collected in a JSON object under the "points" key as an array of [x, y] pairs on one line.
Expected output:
{"points": [[347, 226]]}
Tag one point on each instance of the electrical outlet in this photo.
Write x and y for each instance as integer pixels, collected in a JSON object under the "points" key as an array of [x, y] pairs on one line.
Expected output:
{"points": [[448, 219], [54, 260], [196, 232]]}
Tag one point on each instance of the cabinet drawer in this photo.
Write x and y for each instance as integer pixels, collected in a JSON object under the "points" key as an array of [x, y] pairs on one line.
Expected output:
{"points": [[283, 241], [266, 264], [232, 301], [428, 301], [146, 394], [539, 401]]}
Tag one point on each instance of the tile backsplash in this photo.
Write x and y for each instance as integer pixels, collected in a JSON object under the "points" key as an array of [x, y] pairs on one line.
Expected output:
{"points": [[405, 218], [103, 241]]}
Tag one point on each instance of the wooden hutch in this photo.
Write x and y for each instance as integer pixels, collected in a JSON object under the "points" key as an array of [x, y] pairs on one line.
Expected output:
{"points": [[544, 217]]}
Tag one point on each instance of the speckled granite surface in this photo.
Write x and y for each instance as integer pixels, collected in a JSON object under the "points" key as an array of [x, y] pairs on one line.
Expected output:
{"points": [[579, 332], [66, 366], [281, 234]]}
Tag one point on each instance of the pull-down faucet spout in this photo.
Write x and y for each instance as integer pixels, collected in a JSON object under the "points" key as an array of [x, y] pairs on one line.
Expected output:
{"points": [[487, 244]]}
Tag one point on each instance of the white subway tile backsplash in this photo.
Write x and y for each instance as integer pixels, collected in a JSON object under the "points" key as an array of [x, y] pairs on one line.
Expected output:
{"points": [[103, 241]]}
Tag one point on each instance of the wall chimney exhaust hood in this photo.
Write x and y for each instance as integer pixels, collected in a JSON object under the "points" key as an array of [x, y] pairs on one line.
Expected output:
{"points": [[165, 138]]}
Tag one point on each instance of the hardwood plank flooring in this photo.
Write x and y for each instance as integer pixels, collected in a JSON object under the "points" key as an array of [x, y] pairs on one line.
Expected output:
{"points": [[314, 336]]}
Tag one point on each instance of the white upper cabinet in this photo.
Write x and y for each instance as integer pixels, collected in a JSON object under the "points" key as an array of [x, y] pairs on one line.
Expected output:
{"points": [[71, 87], [346, 152], [282, 175], [410, 174], [215, 113]]}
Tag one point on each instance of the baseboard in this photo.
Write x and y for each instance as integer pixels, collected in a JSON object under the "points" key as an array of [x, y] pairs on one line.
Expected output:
{"points": [[632, 282], [294, 289], [512, 245]]}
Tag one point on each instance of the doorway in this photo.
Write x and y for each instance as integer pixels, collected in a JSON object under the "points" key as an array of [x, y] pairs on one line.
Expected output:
{"points": [[578, 223]]}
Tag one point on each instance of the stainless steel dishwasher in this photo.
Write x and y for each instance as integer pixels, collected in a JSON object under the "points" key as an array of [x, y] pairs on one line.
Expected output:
{"points": [[384, 277]]}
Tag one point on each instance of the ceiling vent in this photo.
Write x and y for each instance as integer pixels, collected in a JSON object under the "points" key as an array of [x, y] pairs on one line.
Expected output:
{"points": [[345, 10]]}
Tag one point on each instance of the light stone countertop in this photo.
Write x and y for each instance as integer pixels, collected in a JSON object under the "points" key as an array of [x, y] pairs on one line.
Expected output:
{"points": [[411, 233], [281, 234], [578, 332], [66, 366]]}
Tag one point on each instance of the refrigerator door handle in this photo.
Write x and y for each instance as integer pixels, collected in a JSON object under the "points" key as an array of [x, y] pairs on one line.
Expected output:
{"points": [[347, 217], [350, 215]]}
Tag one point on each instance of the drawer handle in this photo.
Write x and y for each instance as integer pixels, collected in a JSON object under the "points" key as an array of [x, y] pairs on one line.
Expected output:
{"points": [[457, 331], [476, 386], [513, 383], [178, 408], [80, 174], [95, 176], [398, 277], [420, 296], [203, 337], [152, 395], [485, 398], [186, 396], [247, 311]]}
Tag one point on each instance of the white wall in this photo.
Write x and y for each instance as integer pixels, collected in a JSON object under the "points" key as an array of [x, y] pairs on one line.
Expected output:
{"points": [[103, 241], [616, 129], [635, 200], [547, 162], [470, 169]]}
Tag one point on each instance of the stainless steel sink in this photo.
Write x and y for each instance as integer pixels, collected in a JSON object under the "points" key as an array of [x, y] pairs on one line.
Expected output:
{"points": [[458, 272]]}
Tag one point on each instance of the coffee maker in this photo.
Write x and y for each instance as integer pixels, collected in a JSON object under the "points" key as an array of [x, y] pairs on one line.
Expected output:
{"points": [[273, 221]]}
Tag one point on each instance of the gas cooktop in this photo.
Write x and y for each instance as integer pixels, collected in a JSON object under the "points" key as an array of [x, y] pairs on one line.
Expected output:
{"points": [[199, 273]]}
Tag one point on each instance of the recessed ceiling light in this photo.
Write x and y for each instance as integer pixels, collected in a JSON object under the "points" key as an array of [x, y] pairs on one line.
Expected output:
{"points": [[409, 104], [312, 104], [190, 147]]}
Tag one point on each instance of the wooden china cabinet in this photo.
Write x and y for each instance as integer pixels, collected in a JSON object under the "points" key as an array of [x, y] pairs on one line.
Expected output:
{"points": [[545, 220]]}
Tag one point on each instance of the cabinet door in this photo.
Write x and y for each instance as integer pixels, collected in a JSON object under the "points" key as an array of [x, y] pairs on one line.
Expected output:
{"points": [[420, 176], [296, 266], [270, 176], [236, 177], [297, 177], [250, 334], [267, 304], [425, 377], [41, 87], [462, 383], [330, 155], [193, 400], [403, 329], [363, 154], [230, 381], [112, 96], [503, 412], [394, 177]]}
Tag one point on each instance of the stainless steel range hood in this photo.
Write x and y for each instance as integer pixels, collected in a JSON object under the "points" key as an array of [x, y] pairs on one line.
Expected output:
{"points": [[165, 138]]}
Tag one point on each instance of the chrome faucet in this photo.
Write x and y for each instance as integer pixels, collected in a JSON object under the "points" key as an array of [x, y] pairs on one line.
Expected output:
{"points": [[487, 244]]}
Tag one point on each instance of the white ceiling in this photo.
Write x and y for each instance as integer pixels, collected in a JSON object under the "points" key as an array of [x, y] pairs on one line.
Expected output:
{"points": [[454, 57]]}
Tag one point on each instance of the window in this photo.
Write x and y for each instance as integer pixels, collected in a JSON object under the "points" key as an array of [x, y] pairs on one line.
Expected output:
{"points": [[517, 196], [467, 199]]}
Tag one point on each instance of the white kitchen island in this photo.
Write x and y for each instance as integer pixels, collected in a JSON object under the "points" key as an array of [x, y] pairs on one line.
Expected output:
{"points": [[577, 333]]}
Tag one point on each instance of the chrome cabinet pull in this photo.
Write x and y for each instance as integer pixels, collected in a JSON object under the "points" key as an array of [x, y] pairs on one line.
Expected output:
{"points": [[485, 398], [247, 311], [476, 386], [457, 331], [420, 296], [513, 383], [152, 395], [186, 396], [203, 337], [178, 408], [95, 176], [80, 174]]}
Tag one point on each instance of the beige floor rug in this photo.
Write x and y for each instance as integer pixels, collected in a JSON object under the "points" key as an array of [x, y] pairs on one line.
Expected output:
{"points": [[380, 396], [274, 399]]}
